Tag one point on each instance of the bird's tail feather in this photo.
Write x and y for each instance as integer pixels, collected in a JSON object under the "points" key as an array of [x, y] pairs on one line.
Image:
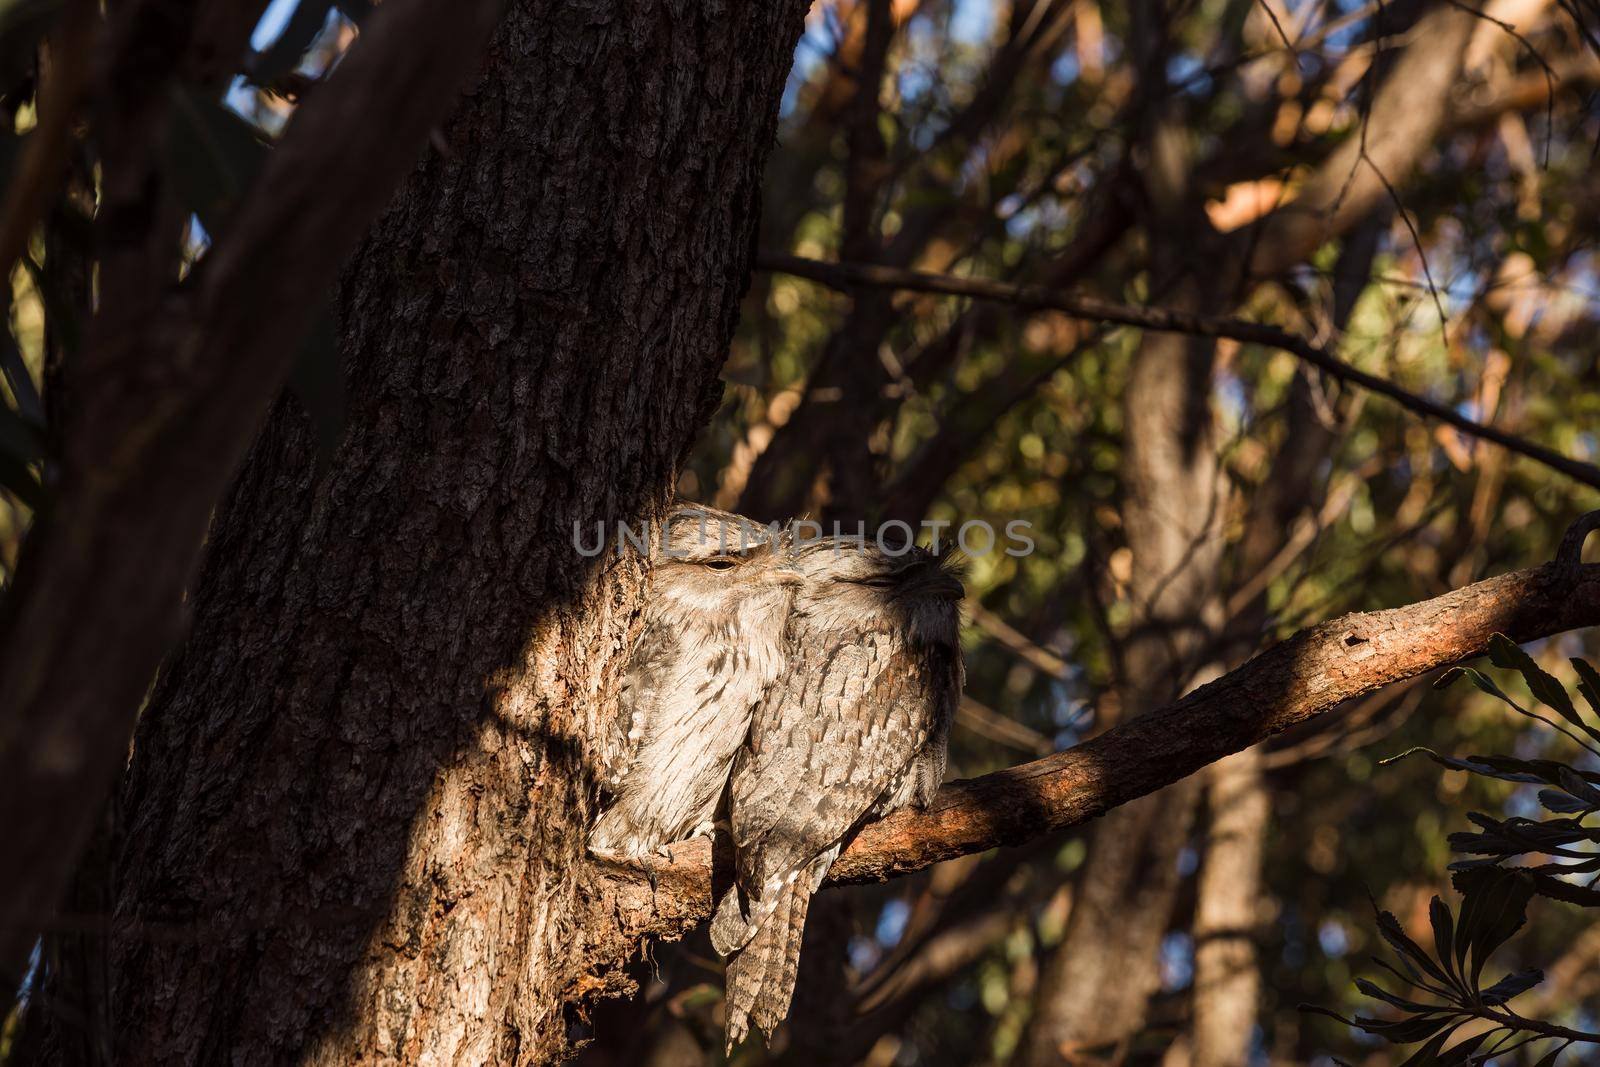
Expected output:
{"points": [[730, 927], [761, 975]]}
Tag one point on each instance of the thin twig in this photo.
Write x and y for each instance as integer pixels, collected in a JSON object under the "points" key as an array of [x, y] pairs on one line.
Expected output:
{"points": [[844, 276]]}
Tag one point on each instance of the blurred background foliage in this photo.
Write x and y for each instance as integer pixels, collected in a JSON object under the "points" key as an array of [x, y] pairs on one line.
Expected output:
{"points": [[1005, 141], [1018, 142]]}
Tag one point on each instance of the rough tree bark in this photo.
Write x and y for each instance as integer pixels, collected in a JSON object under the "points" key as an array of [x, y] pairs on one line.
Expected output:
{"points": [[359, 792], [168, 392]]}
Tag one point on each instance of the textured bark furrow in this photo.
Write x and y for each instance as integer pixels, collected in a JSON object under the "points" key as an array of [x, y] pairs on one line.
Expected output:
{"points": [[363, 777], [168, 392]]}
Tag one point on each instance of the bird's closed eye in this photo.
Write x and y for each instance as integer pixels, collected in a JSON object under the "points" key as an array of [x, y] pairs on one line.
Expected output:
{"points": [[721, 563]]}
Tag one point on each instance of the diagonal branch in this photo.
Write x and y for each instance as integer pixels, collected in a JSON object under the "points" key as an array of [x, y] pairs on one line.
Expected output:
{"points": [[844, 276], [1291, 683]]}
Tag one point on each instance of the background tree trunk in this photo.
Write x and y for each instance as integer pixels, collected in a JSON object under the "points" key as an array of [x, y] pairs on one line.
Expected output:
{"points": [[359, 793]]}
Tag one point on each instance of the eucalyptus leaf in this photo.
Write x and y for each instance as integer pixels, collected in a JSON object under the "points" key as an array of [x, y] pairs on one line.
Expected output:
{"points": [[1512, 985]]}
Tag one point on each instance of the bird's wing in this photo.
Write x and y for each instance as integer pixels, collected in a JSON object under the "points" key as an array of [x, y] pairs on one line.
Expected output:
{"points": [[656, 647], [834, 736]]}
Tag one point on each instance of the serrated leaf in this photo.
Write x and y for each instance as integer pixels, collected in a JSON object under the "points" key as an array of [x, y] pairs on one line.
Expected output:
{"points": [[1494, 907], [1501, 767], [1588, 682], [1317, 1009], [1558, 801], [1406, 1031], [1377, 992], [1503, 652], [1477, 678], [1389, 927], [1547, 885], [1512, 985], [1575, 784], [1428, 1053], [1443, 930], [1462, 1050], [1549, 1058]]}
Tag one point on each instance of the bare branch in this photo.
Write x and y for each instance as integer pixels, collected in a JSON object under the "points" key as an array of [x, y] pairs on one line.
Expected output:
{"points": [[844, 276], [1291, 683]]}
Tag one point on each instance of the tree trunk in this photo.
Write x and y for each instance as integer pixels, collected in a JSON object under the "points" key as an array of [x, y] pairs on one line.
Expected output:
{"points": [[1227, 976], [1227, 979], [359, 794], [1173, 514]]}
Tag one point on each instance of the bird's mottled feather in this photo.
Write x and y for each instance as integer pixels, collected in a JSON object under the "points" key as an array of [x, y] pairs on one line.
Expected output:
{"points": [[711, 643], [855, 727]]}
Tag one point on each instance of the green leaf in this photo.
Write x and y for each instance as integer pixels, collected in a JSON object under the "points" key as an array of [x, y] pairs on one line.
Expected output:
{"points": [[1477, 678], [1512, 985], [1407, 949], [1503, 652], [1494, 907], [1428, 1053], [1588, 682], [215, 155], [1443, 928]]}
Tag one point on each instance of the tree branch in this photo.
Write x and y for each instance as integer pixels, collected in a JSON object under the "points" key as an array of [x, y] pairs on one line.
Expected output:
{"points": [[171, 400], [845, 276], [1291, 683]]}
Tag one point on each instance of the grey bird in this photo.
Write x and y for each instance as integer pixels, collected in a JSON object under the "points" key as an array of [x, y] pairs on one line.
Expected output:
{"points": [[855, 728], [712, 642]]}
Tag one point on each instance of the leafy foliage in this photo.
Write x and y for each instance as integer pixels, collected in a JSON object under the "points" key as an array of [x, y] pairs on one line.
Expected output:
{"points": [[1571, 795], [1495, 895]]}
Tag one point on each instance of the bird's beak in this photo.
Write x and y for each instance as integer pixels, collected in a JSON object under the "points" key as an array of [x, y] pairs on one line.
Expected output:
{"points": [[789, 579], [787, 575]]}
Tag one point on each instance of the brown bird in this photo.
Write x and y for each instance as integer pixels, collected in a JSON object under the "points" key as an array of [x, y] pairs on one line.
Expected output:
{"points": [[854, 728], [711, 644]]}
